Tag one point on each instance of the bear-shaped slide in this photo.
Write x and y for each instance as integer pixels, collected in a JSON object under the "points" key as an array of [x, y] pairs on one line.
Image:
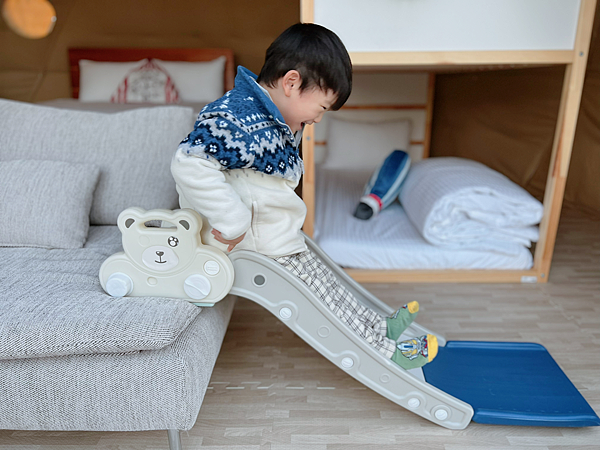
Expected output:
{"points": [[168, 260]]}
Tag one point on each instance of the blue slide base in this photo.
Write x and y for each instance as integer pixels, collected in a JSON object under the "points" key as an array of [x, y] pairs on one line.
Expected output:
{"points": [[509, 383]]}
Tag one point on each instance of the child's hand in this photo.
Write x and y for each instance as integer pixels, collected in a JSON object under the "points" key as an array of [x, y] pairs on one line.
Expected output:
{"points": [[231, 243]]}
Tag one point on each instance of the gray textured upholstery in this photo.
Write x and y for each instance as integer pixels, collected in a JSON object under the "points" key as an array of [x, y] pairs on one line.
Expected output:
{"points": [[58, 292], [132, 148], [58, 191], [72, 357], [146, 390]]}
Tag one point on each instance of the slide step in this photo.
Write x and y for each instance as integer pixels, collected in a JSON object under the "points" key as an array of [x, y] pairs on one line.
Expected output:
{"points": [[510, 383]]}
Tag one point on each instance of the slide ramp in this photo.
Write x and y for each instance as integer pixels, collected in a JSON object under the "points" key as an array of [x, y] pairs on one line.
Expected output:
{"points": [[267, 283]]}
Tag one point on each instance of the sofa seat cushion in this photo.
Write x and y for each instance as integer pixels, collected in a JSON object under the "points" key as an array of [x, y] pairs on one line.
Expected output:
{"points": [[52, 304], [149, 390]]}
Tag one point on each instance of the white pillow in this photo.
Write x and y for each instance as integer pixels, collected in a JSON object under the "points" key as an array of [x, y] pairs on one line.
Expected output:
{"points": [[197, 81], [364, 145], [98, 80], [148, 83]]}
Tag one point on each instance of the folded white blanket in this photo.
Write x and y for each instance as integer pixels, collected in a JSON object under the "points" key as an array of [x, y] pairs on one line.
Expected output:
{"points": [[462, 204]]}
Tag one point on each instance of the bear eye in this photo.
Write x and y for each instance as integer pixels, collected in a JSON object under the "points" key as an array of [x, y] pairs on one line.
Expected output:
{"points": [[173, 241]]}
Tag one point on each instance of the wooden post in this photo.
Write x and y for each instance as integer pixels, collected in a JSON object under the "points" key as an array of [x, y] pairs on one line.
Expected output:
{"points": [[307, 11], [563, 140], [308, 180], [429, 117]]}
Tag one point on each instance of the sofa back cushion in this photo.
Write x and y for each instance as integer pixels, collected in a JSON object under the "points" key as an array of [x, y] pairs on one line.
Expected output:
{"points": [[132, 148]]}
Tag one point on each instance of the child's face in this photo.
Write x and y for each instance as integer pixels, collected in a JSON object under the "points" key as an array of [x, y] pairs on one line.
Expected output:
{"points": [[306, 107]]}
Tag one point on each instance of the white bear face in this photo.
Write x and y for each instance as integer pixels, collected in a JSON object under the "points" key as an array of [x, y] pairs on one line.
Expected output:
{"points": [[160, 258], [165, 249]]}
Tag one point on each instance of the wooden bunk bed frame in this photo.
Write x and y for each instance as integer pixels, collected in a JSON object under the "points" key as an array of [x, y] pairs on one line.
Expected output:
{"points": [[574, 60]]}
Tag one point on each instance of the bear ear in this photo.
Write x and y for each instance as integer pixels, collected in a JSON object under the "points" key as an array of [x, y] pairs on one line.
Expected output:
{"points": [[189, 220], [128, 217], [125, 223]]}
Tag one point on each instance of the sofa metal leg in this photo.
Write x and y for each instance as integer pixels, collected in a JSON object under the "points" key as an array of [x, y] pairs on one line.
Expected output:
{"points": [[174, 440]]}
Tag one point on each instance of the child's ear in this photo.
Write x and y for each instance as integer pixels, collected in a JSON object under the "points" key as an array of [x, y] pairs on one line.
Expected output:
{"points": [[291, 80]]}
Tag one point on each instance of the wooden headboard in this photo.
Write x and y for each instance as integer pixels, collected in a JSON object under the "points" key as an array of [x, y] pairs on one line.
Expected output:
{"points": [[136, 54]]}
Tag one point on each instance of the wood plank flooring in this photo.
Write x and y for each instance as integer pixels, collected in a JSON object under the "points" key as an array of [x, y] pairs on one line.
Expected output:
{"points": [[271, 391]]}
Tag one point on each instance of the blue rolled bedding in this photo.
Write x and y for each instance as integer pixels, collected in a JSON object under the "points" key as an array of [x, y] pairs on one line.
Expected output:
{"points": [[384, 185]]}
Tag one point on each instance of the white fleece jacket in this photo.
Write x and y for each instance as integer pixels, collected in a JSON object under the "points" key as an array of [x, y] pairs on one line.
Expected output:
{"points": [[239, 201]]}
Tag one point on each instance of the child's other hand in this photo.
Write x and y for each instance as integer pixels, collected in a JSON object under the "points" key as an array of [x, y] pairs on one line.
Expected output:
{"points": [[231, 243]]}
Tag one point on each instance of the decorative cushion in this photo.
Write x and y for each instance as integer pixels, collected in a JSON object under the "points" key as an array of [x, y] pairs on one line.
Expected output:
{"points": [[132, 148], [363, 145], [45, 203], [201, 82], [384, 185], [98, 80], [148, 83]]}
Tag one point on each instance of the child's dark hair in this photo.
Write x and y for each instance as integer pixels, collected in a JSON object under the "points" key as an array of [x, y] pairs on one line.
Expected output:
{"points": [[317, 54]]}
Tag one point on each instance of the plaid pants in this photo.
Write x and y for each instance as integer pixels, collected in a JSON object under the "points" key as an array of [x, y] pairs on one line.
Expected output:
{"points": [[320, 279]]}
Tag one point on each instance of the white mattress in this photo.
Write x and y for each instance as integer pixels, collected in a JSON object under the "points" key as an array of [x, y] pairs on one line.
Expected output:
{"points": [[389, 240]]}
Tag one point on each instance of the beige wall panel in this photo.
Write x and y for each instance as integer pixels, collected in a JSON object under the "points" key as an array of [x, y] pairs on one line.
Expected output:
{"points": [[504, 119], [19, 85], [53, 85], [583, 182], [18, 53], [389, 88]]}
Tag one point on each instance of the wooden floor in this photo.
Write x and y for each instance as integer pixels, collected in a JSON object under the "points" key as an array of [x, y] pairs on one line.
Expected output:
{"points": [[271, 391]]}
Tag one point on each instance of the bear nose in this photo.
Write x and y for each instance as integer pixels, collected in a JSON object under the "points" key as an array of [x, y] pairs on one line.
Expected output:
{"points": [[160, 253]]}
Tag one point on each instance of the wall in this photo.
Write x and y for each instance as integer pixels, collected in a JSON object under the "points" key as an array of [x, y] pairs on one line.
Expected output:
{"points": [[37, 70], [506, 119]]}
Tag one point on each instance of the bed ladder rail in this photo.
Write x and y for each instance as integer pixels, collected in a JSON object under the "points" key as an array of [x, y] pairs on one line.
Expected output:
{"points": [[262, 280]]}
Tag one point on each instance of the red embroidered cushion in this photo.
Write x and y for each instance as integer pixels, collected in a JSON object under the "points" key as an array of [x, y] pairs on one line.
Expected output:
{"points": [[148, 83]]}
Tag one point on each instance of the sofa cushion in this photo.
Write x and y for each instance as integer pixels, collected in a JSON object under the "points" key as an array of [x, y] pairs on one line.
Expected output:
{"points": [[148, 83], [52, 304], [186, 76], [45, 203], [153, 390], [132, 148], [98, 79]]}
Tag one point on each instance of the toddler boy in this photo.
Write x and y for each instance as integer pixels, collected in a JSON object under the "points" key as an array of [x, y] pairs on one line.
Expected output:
{"points": [[240, 165]]}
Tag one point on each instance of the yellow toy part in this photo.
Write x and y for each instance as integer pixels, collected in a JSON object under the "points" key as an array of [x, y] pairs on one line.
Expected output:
{"points": [[168, 260]]}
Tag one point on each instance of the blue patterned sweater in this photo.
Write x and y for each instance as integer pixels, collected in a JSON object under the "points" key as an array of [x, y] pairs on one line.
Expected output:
{"points": [[245, 130]]}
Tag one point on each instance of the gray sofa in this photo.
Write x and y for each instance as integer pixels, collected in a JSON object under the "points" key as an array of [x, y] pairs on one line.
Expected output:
{"points": [[71, 357]]}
